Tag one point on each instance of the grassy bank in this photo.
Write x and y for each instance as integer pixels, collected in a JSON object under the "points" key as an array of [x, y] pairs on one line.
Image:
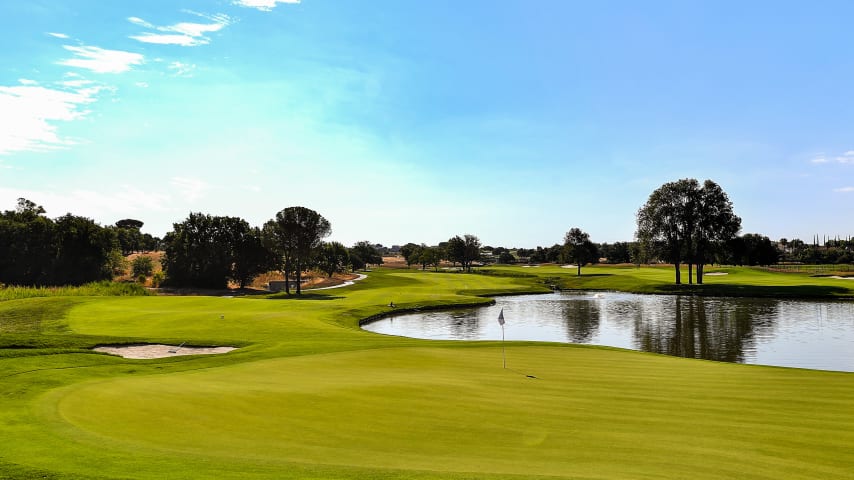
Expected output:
{"points": [[720, 281], [310, 395]]}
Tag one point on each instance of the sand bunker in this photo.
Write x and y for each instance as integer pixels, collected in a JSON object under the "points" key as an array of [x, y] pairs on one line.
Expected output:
{"points": [[159, 350], [715, 274], [841, 278]]}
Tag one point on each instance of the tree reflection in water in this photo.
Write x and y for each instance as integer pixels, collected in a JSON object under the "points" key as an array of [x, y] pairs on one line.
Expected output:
{"points": [[581, 318], [707, 328], [796, 333]]}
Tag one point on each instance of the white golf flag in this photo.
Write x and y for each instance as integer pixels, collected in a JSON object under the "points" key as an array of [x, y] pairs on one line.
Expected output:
{"points": [[501, 318]]}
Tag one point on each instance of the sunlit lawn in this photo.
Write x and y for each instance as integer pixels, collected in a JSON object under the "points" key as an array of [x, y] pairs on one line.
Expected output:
{"points": [[310, 395]]}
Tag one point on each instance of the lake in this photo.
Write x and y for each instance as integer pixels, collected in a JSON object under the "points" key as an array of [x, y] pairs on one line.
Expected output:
{"points": [[786, 333]]}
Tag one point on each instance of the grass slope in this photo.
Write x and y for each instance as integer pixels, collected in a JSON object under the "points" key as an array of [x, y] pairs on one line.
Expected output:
{"points": [[737, 281], [310, 395]]}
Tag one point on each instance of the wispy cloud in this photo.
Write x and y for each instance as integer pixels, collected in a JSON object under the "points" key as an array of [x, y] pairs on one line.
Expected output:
{"points": [[28, 114], [189, 188], [27, 81], [844, 189], [185, 34], [57, 35], [100, 60], [263, 5], [845, 158], [181, 69]]}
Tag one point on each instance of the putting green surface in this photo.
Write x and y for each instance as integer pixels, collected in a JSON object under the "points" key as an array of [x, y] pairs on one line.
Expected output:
{"points": [[589, 413], [309, 395]]}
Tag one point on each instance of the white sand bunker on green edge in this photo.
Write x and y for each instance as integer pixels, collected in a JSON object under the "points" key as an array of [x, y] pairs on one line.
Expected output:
{"points": [[715, 274], [148, 350]]}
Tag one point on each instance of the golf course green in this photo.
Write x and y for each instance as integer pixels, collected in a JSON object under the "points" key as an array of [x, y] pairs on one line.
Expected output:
{"points": [[308, 394]]}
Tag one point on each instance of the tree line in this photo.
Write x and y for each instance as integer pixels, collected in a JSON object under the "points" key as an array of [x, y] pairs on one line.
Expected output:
{"points": [[682, 222], [211, 251]]}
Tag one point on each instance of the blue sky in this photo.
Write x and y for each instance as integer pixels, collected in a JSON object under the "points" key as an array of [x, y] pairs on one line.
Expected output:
{"points": [[413, 121]]}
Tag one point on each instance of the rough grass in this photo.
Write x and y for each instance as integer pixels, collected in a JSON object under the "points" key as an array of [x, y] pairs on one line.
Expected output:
{"points": [[310, 395], [104, 288]]}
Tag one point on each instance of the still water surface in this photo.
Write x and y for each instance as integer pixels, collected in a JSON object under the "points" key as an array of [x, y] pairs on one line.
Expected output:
{"points": [[787, 333]]}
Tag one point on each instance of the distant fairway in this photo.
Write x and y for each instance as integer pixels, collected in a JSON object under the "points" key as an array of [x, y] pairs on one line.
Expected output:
{"points": [[310, 395]]}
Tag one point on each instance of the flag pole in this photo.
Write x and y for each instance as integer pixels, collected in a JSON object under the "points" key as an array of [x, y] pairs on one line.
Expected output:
{"points": [[501, 322], [503, 354]]}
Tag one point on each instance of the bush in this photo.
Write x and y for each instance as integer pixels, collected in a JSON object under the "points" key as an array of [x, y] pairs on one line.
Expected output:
{"points": [[142, 266]]}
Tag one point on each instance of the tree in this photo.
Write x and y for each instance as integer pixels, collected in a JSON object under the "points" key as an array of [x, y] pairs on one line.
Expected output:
{"points": [[686, 220], [430, 256], [129, 236], [753, 249], [295, 234], [506, 258], [332, 258], [35, 250], [367, 253], [249, 256], [83, 251], [207, 251], [142, 266], [410, 253], [463, 250], [578, 248], [715, 223]]}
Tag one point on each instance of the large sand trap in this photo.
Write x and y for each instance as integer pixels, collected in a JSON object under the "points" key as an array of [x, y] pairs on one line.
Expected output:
{"points": [[158, 350], [841, 278]]}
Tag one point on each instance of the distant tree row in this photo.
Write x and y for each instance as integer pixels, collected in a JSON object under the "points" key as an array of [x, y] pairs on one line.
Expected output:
{"points": [[210, 251], [69, 250], [131, 240], [464, 250]]}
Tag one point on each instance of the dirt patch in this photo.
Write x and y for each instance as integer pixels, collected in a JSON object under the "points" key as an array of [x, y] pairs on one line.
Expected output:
{"points": [[144, 351]]}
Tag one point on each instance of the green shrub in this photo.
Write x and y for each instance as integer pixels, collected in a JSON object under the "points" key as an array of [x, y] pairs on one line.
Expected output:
{"points": [[142, 266]]}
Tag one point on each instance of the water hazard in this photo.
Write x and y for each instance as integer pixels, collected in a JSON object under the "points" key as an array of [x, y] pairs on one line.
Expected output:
{"points": [[787, 333]]}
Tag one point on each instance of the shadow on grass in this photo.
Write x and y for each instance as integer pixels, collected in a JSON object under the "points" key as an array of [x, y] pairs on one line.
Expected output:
{"points": [[777, 291], [304, 296]]}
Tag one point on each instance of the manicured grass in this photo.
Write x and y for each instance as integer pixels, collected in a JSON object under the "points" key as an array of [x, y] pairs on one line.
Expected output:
{"points": [[310, 395], [737, 281]]}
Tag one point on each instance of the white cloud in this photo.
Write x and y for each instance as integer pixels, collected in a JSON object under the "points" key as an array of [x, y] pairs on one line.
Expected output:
{"points": [[189, 188], [57, 35], [263, 5], [180, 69], [170, 39], [125, 201], [185, 34], [28, 115], [141, 84], [75, 83], [27, 81], [100, 60], [844, 189], [847, 157]]}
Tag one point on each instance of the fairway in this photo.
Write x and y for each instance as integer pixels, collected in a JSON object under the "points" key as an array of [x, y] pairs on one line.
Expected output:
{"points": [[310, 395]]}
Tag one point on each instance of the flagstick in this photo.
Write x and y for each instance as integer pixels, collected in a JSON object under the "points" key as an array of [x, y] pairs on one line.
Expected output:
{"points": [[503, 354], [501, 322]]}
